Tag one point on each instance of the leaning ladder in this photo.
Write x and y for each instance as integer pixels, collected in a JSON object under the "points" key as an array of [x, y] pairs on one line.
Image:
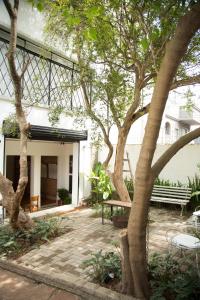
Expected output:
{"points": [[127, 168]]}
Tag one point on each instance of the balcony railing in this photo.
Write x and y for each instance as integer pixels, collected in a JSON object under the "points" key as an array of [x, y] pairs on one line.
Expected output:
{"points": [[191, 117], [49, 79]]}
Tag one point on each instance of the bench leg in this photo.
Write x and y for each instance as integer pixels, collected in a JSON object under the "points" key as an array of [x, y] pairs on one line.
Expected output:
{"points": [[111, 212], [182, 208], [102, 214]]}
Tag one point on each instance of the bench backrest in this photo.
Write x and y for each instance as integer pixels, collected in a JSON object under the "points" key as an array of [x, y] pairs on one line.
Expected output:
{"points": [[183, 193]]}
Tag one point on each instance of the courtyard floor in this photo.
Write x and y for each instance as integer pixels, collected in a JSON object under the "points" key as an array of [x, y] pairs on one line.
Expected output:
{"points": [[66, 253]]}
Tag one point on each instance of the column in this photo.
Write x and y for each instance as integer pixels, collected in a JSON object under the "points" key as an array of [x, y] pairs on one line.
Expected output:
{"points": [[2, 158], [35, 179], [75, 179]]}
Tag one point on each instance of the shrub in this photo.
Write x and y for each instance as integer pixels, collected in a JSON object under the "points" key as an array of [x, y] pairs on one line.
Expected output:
{"points": [[130, 187], [14, 243], [101, 184], [166, 182], [103, 266], [173, 279], [63, 194], [194, 184]]}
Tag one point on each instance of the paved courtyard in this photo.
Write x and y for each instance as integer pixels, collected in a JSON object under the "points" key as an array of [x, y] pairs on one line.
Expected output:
{"points": [[66, 253]]}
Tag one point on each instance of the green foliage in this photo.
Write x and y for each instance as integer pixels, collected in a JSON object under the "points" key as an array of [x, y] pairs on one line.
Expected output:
{"points": [[97, 211], [10, 126], [114, 40], [14, 243], [103, 266], [64, 195], [165, 182], [97, 208], [172, 279], [100, 181], [54, 115], [130, 187], [194, 184]]}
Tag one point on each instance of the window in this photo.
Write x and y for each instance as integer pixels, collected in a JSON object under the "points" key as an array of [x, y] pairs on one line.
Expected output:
{"points": [[176, 133], [167, 128]]}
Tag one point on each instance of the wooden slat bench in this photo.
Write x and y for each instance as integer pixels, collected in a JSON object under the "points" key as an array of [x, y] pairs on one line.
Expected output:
{"points": [[171, 195], [116, 203]]}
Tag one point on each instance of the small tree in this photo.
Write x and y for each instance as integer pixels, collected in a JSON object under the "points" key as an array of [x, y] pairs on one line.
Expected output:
{"points": [[11, 198]]}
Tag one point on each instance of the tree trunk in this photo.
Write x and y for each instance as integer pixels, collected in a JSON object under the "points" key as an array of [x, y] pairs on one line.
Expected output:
{"points": [[12, 199], [9, 202], [175, 50], [127, 280], [117, 175]]}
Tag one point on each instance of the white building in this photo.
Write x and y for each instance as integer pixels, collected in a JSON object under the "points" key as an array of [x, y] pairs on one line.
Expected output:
{"points": [[57, 157]]}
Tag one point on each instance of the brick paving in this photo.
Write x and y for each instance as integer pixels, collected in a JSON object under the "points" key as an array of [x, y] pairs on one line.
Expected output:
{"points": [[66, 253]]}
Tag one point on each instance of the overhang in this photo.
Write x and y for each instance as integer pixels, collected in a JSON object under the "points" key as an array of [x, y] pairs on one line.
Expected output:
{"points": [[44, 133]]}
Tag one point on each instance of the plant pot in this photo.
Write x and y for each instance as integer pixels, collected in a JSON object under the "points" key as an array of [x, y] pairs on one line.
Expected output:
{"points": [[120, 221], [59, 202]]}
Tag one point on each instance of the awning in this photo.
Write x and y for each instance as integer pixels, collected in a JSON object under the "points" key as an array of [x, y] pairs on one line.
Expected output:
{"points": [[45, 133]]}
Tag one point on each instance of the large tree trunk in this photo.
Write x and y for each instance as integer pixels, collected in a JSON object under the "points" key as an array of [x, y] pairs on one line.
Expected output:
{"points": [[9, 202], [117, 175], [11, 199], [144, 177]]}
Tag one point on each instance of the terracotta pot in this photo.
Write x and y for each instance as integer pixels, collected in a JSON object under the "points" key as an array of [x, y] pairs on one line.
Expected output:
{"points": [[120, 221]]}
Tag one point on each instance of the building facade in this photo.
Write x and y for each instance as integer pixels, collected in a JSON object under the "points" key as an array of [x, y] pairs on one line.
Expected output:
{"points": [[58, 156]]}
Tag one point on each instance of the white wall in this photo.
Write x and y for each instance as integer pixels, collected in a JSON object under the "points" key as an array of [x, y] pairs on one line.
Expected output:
{"points": [[36, 149], [180, 167], [28, 19]]}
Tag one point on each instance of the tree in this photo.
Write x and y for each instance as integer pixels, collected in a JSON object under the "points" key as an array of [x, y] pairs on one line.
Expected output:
{"points": [[11, 198], [122, 42], [142, 38], [146, 173]]}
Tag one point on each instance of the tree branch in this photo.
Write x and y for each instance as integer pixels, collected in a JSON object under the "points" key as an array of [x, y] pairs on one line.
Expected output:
{"points": [[9, 8], [186, 81], [141, 112], [135, 103], [25, 66], [172, 150]]}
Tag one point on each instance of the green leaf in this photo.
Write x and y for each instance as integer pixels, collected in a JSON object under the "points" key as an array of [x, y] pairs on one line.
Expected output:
{"points": [[105, 195], [145, 44], [40, 6], [9, 243], [91, 34], [92, 12], [72, 21], [195, 193]]}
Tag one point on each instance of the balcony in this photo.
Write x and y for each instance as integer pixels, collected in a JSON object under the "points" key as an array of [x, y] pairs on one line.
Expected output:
{"points": [[191, 117], [50, 80]]}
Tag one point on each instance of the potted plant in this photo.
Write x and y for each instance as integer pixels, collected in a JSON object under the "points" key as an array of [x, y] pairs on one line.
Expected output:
{"points": [[120, 219], [64, 196]]}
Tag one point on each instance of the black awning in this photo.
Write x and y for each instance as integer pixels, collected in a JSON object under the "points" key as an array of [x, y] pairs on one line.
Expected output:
{"points": [[44, 133]]}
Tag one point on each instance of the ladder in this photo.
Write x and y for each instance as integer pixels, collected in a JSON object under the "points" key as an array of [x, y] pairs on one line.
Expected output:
{"points": [[127, 168]]}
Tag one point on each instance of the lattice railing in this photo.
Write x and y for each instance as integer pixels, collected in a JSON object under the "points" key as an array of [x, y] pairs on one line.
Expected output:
{"points": [[46, 81]]}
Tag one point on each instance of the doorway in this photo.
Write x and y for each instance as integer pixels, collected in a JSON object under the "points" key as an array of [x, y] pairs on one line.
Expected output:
{"points": [[12, 173], [48, 181]]}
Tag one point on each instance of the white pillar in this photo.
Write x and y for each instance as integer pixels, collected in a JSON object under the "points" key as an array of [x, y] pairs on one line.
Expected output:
{"points": [[75, 174], [2, 158], [62, 172], [36, 176]]}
